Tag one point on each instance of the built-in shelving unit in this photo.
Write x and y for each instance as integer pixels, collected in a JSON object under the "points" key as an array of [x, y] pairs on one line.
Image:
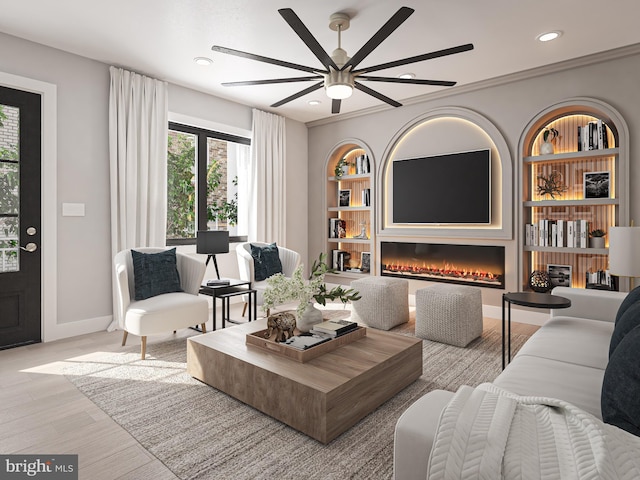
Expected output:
{"points": [[356, 216], [570, 162]]}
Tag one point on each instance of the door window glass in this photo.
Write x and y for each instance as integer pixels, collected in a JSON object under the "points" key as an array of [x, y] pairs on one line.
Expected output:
{"points": [[9, 188]]}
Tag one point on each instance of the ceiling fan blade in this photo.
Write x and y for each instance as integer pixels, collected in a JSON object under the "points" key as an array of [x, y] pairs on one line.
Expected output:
{"points": [[387, 29], [260, 58], [414, 81], [305, 35], [417, 58], [310, 89], [335, 105], [270, 81], [377, 95]]}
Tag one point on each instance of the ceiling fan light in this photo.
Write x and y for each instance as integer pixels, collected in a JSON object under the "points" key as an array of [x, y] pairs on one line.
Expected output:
{"points": [[338, 84], [339, 91]]}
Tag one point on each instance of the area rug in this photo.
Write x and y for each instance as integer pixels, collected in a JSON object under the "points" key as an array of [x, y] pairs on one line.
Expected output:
{"points": [[201, 433]]}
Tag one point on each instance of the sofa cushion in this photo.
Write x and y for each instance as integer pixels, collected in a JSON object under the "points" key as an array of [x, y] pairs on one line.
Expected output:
{"points": [[621, 385], [576, 384], [573, 340], [630, 299], [627, 322], [266, 261], [155, 273]]}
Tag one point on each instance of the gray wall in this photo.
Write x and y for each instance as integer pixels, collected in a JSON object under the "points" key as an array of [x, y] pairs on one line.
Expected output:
{"points": [[509, 104], [83, 243]]}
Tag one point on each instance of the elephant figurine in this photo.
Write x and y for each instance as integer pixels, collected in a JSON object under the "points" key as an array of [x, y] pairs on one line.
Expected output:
{"points": [[283, 323]]}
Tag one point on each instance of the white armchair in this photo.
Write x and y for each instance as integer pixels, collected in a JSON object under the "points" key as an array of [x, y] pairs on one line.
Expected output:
{"points": [[289, 259], [161, 313]]}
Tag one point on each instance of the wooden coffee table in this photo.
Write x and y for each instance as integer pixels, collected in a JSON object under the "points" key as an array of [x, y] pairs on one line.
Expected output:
{"points": [[323, 397]]}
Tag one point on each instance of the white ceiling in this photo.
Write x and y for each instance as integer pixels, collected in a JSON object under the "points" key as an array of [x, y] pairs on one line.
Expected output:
{"points": [[160, 38]]}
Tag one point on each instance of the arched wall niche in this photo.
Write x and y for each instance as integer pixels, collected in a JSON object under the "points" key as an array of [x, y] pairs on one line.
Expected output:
{"points": [[442, 131]]}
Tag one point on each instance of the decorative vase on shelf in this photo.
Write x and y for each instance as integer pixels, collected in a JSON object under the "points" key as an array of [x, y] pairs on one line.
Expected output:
{"points": [[310, 317], [596, 242], [546, 148]]}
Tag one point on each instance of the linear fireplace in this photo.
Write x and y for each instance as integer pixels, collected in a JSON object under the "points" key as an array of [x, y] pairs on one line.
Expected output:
{"points": [[479, 265]]}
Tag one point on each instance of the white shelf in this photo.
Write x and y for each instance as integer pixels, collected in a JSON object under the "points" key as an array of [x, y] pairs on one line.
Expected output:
{"points": [[593, 251], [349, 209], [571, 203], [360, 177], [556, 157], [349, 240]]}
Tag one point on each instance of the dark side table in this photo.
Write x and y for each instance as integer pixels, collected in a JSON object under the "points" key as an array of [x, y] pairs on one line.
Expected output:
{"points": [[224, 292], [527, 299]]}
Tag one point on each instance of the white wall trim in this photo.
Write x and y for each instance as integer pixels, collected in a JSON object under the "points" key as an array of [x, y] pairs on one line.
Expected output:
{"points": [[208, 124], [49, 190], [519, 315]]}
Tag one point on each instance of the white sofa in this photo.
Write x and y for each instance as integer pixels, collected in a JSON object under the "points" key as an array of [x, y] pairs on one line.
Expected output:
{"points": [[565, 359]]}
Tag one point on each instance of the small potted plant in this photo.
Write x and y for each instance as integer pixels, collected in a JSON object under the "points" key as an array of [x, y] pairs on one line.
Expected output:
{"points": [[596, 238], [548, 136], [342, 168]]}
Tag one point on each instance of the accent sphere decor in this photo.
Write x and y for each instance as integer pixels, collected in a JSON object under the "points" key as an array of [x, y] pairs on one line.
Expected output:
{"points": [[539, 281]]}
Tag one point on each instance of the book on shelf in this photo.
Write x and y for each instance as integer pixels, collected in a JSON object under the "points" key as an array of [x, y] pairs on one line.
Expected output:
{"points": [[304, 342], [593, 136], [366, 197], [340, 260], [335, 328], [362, 164], [337, 228]]}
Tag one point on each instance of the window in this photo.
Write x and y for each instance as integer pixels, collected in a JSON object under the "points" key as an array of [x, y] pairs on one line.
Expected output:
{"points": [[207, 183]]}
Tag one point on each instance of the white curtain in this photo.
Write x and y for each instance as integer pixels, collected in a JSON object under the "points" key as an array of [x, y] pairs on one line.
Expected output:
{"points": [[138, 130], [267, 193]]}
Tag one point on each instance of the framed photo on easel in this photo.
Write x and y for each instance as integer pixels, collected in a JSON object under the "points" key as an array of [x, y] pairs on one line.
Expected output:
{"points": [[596, 184], [344, 198], [560, 275], [365, 261]]}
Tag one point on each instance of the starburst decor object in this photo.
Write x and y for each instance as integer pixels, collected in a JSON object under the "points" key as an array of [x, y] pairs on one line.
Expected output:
{"points": [[551, 185]]}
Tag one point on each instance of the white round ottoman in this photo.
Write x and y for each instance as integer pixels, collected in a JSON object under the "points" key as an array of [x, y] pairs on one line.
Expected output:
{"points": [[384, 303], [450, 314]]}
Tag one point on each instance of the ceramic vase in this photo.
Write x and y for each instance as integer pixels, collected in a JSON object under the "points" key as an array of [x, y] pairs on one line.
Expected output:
{"points": [[596, 242], [310, 317], [546, 148]]}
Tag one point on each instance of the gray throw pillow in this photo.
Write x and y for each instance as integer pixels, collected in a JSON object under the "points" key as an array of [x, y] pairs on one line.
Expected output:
{"points": [[266, 261], [155, 273], [630, 299], [621, 385], [629, 320]]}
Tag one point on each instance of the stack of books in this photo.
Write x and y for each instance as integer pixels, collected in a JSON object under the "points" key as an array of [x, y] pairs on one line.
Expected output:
{"points": [[334, 328]]}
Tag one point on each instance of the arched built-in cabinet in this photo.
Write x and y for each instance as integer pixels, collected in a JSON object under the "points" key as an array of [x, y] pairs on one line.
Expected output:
{"points": [[580, 187], [349, 210]]}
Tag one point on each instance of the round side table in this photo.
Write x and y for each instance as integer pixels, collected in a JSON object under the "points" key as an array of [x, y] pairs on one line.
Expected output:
{"points": [[527, 299]]}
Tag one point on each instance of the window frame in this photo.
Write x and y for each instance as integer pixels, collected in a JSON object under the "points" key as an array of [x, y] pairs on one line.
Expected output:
{"points": [[202, 135]]}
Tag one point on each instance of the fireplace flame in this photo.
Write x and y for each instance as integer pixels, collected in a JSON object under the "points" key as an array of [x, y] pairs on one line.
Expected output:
{"points": [[446, 271]]}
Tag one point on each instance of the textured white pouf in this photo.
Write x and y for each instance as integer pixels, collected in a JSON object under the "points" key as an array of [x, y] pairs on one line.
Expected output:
{"points": [[384, 303], [450, 314]]}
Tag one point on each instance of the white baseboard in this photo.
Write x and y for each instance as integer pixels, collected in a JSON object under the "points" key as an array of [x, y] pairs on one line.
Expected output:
{"points": [[517, 314], [73, 329]]}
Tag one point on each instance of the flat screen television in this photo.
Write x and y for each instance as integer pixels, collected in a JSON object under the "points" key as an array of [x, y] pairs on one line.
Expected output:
{"points": [[454, 188]]}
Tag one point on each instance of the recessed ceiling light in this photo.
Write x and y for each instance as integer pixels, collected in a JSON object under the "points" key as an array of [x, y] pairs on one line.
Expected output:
{"points": [[314, 102], [407, 75], [204, 61], [548, 36]]}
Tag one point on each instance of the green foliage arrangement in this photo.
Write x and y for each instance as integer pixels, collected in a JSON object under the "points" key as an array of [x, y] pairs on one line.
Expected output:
{"points": [[181, 191], [338, 170], [550, 134], [282, 289], [598, 232]]}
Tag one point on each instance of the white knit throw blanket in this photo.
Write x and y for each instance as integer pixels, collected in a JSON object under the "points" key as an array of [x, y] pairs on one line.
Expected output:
{"points": [[489, 433]]}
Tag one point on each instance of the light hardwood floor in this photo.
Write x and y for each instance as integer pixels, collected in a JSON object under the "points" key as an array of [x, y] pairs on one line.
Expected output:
{"points": [[41, 412]]}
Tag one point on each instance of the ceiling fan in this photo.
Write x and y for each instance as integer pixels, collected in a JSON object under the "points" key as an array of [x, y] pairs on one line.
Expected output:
{"points": [[340, 75]]}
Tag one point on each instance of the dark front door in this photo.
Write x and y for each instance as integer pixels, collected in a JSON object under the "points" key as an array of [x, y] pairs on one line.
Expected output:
{"points": [[20, 144]]}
